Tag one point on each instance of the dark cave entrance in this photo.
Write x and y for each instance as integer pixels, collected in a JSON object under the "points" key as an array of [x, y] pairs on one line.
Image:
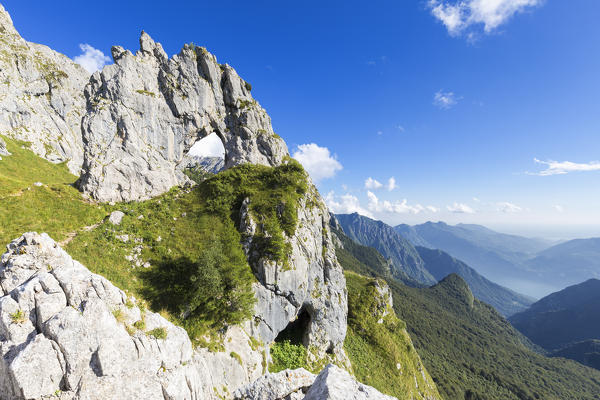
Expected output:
{"points": [[296, 331]]}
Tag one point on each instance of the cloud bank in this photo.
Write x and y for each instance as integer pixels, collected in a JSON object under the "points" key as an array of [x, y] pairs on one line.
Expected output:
{"points": [[345, 204], [459, 16], [564, 167], [460, 208], [91, 59], [317, 160]]}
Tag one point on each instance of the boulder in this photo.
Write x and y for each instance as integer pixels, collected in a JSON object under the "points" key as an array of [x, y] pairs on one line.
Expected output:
{"points": [[334, 383], [284, 385], [116, 217]]}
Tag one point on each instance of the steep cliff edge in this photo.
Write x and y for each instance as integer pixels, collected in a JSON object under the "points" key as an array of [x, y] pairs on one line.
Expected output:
{"points": [[41, 97]]}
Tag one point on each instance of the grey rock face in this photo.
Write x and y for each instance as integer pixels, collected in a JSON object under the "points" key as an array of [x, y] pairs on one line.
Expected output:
{"points": [[334, 383], [3, 150], [284, 385], [65, 329], [312, 287], [146, 111], [41, 97]]}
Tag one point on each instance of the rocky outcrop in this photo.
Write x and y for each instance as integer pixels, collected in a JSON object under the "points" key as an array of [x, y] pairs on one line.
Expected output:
{"points": [[3, 150], [41, 97], [147, 110], [333, 383], [67, 333], [311, 286], [284, 385]]}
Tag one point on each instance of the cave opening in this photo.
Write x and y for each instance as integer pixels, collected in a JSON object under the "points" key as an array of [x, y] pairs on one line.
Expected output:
{"points": [[296, 331]]}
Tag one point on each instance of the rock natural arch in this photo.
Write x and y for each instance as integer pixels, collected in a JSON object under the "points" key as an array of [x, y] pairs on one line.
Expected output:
{"points": [[146, 111]]}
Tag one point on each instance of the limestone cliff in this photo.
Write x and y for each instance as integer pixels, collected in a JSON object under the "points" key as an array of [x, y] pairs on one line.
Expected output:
{"points": [[146, 111], [41, 97]]}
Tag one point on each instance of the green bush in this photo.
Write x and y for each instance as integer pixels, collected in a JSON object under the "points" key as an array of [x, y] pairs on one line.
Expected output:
{"points": [[287, 355], [158, 333]]}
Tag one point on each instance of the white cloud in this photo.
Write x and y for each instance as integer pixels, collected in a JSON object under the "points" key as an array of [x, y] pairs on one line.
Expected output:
{"points": [[391, 185], [558, 208], [432, 209], [345, 204], [444, 100], [398, 207], [460, 208], [373, 184], [91, 59], [508, 208], [317, 161], [460, 15], [209, 146], [476, 200], [564, 167], [400, 128], [379, 133]]}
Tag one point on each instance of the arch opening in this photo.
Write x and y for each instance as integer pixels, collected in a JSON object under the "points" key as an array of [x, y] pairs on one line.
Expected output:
{"points": [[206, 157], [296, 331]]}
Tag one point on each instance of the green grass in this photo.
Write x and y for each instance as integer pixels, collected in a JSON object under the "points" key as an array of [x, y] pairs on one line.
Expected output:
{"points": [[56, 208], [18, 317], [382, 354]]}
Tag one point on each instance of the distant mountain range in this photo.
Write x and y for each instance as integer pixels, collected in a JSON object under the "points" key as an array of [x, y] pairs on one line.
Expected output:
{"points": [[562, 318], [566, 323], [469, 349], [426, 266], [536, 267], [569, 263], [404, 257], [441, 264], [499, 257]]}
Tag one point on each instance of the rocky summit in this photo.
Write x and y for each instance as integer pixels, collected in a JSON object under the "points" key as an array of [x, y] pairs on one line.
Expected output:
{"points": [[146, 111]]}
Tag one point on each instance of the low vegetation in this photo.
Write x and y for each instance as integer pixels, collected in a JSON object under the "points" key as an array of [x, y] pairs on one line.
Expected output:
{"points": [[286, 354], [55, 207], [379, 348]]}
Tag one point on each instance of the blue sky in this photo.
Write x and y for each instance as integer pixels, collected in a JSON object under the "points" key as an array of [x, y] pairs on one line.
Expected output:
{"points": [[453, 101]]}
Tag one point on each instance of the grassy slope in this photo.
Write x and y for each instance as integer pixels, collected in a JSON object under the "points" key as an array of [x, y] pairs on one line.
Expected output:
{"points": [[377, 349], [473, 353], [56, 207]]}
